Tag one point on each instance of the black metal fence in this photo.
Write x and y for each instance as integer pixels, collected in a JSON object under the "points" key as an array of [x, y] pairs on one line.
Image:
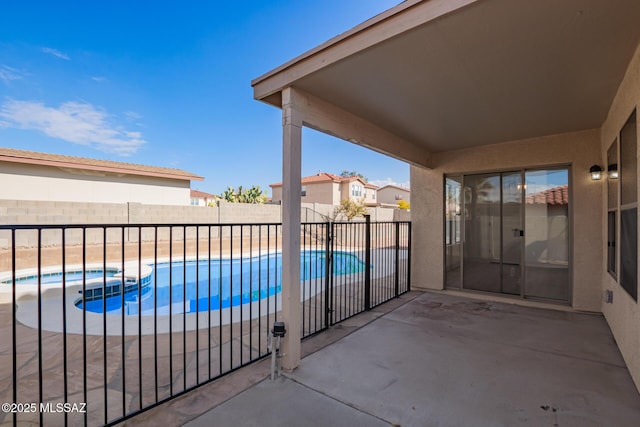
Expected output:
{"points": [[100, 322]]}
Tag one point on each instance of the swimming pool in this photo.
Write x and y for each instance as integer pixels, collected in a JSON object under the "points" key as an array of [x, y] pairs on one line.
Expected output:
{"points": [[214, 284], [70, 276]]}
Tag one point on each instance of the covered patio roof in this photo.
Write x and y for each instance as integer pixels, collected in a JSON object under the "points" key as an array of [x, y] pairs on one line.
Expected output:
{"points": [[440, 75]]}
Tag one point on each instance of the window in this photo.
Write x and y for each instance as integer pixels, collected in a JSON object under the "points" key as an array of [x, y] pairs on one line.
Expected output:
{"points": [[304, 191], [194, 202], [628, 248], [356, 190], [612, 206]]}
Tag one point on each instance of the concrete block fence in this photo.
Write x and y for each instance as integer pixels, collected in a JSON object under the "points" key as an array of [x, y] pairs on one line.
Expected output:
{"points": [[27, 212]]}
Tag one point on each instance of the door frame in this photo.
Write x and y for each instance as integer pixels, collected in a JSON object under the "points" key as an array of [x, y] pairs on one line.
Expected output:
{"points": [[522, 171]]}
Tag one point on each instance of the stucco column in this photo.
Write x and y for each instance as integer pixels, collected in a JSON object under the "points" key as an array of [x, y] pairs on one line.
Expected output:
{"points": [[291, 199], [427, 239]]}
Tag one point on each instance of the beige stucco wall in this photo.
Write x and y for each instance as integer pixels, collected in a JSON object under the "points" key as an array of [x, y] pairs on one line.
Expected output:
{"points": [[388, 195], [579, 150], [45, 183], [623, 314], [322, 192], [276, 194]]}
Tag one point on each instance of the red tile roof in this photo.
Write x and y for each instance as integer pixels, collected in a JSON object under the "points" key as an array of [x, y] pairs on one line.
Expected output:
{"points": [[201, 194], [72, 162], [553, 196], [326, 177]]}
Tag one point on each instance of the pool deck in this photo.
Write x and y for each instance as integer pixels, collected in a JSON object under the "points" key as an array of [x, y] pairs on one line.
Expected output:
{"points": [[431, 359]]}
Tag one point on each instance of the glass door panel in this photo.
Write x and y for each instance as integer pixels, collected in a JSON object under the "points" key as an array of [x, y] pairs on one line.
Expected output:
{"points": [[482, 233], [452, 232], [512, 232], [546, 270]]}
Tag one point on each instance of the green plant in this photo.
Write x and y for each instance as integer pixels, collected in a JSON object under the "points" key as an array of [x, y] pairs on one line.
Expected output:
{"points": [[253, 195], [349, 174], [351, 209]]}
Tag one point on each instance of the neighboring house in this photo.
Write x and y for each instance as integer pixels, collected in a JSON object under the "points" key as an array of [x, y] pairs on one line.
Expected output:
{"points": [[28, 175], [390, 195], [489, 109], [200, 198], [331, 189]]}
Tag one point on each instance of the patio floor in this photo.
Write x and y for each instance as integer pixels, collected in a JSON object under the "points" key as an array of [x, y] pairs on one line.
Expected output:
{"points": [[436, 360]]}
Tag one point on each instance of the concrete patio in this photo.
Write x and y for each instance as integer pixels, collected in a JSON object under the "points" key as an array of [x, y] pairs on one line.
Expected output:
{"points": [[436, 360]]}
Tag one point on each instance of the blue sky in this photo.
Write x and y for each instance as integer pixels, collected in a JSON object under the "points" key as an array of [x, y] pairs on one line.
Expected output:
{"points": [[169, 84]]}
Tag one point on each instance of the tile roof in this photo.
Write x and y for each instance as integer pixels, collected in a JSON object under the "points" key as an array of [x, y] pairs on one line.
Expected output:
{"points": [[72, 162], [201, 194], [553, 196], [326, 177], [396, 186]]}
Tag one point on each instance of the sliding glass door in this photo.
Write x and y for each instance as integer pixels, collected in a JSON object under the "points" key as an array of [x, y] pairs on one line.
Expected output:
{"points": [[516, 234], [547, 235]]}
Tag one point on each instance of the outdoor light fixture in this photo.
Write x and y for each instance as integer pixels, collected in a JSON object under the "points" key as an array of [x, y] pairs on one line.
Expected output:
{"points": [[277, 333], [596, 172], [612, 171]]}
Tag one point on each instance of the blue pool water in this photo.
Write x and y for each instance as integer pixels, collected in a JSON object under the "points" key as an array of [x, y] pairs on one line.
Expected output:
{"points": [[232, 283], [70, 276]]}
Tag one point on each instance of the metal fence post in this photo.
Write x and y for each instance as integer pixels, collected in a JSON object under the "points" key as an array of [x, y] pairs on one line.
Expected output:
{"points": [[408, 256], [367, 263], [328, 237], [397, 272]]}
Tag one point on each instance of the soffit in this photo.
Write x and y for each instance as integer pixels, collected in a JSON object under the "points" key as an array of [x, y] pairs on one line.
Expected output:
{"points": [[492, 71]]}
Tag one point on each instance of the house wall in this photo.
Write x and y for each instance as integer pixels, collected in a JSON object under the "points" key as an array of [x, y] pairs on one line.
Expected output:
{"points": [[579, 150], [346, 192], [388, 195], [45, 183], [321, 192], [623, 315], [276, 194], [371, 196]]}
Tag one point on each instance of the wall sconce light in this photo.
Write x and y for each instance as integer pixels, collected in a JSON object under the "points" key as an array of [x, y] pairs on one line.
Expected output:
{"points": [[596, 172], [612, 171]]}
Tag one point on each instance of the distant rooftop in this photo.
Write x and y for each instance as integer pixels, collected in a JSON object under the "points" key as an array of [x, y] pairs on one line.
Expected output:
{"points": [[399, 187], [83, 163], [327, 177], [553, 196], [201, 194]]}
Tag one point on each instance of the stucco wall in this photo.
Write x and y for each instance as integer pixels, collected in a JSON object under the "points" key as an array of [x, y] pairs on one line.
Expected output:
{"points": [[579, 150], [623, 314], [45, 183], [322, 192], [276, 194], [388, 195]]}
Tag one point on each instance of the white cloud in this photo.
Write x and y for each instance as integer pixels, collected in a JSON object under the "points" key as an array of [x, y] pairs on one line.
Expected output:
{"points": [[56, 53], [390, 181], [77, 122], [99, 79], [8, 74]]}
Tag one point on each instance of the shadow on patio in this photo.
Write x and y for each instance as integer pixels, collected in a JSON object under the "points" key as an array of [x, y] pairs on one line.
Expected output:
{"points": [[433, 359]]}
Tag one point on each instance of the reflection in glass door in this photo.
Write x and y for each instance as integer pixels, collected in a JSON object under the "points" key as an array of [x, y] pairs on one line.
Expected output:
{"points": [[516, 234], [547, 234], [512, 233], [482, 230]]}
